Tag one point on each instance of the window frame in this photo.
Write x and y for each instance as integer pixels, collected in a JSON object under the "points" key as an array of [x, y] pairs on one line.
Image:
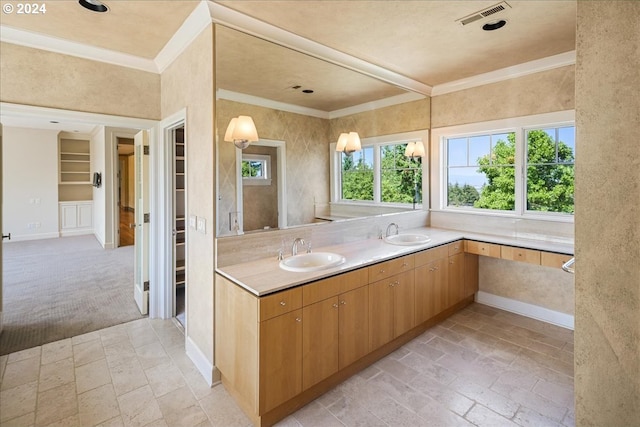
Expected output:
{"points": [[266, 161], [376, 143], [519, 125]]}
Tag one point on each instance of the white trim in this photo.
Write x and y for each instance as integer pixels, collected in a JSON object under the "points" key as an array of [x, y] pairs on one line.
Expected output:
{"points": [[236, 20], [525, 309], [374, 105], [191, 28], [269, 103], [203, 365], [23, 237], [515, 71], [77, 232], [67, 47]]}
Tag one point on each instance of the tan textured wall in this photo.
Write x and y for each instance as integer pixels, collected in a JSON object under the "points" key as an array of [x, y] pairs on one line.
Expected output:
{"points": [[307, 147], [607, 338], [546, 287], [189, 82], [537, 93], [407, 117], [45, 79]]}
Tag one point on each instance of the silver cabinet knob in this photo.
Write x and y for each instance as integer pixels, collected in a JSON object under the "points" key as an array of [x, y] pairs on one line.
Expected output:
{"points": [[282, 303], [298, 319]]}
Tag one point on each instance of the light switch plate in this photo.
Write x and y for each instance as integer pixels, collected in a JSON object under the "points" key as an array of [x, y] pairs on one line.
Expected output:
{"points": [[193, 221], [202, 225]]}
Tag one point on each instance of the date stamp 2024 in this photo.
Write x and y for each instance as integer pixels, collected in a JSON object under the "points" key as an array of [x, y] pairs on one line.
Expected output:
{"points": [[34, 8]]}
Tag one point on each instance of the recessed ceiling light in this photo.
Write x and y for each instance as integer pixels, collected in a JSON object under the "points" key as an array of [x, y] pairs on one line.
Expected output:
{"points": [[93, 5], [307, 91], [494, 25], [53, 121]]}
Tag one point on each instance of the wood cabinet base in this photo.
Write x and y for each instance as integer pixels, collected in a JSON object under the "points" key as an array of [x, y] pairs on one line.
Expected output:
{"points": [[282, 411]]}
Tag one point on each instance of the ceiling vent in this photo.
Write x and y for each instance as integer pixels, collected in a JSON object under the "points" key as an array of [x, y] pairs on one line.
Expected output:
{"points": [[496, 8]]}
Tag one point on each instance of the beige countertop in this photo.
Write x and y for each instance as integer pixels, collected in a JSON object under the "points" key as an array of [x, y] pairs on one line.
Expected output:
{"points": [[265, 276]]}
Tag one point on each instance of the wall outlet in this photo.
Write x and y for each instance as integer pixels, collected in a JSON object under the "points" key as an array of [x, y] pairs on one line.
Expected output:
{"points": [[202, 225], [193, 221]]}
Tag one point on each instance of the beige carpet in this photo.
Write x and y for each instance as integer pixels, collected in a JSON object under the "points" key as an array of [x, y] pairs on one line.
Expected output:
{"points": [[59, 288]]}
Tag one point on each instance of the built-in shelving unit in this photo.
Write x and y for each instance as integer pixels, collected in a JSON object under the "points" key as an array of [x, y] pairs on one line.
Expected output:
{"points": [[74, 170], [179, 225]]}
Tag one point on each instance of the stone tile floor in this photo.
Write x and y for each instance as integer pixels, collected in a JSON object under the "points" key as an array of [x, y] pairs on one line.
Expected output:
{"points": [[482, 366]]}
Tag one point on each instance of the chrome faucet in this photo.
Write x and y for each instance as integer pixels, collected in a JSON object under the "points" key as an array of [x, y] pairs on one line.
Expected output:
{"points": [[393, 224], [294, 247]]}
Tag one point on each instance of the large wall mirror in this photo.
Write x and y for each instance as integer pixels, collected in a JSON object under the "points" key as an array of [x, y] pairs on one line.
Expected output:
{"points": [[300, 105]]}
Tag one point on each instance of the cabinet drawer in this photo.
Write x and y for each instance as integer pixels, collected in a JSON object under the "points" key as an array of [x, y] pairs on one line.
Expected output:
{"points": [[456, 247], [481, 248], [389, 268], [279, 303], [332, 286], [520, 254], [550, 259], [425, 257]]}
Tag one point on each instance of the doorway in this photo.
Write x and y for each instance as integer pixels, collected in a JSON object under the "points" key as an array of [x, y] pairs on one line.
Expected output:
{"points": [[179, 163], [126, 192]]}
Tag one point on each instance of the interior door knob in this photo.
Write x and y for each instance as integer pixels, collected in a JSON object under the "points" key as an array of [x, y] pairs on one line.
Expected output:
{"points": [[6, 236]]}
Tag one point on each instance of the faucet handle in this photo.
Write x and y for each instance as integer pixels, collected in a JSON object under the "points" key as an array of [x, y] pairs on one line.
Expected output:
{"points": [[309, 247], [280, 255]]}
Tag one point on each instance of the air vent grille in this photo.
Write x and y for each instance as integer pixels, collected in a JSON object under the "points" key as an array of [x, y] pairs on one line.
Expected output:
{"points": [[496, 8]]}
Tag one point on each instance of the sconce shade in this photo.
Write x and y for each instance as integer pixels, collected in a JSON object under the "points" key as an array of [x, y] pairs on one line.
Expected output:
{"points": [[414, 149], [241, 131], [349, 143]]}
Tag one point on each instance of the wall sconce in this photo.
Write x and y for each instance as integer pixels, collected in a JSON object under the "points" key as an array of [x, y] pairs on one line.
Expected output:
{"points": [[348, 143], [414, 149], [241, 131]]}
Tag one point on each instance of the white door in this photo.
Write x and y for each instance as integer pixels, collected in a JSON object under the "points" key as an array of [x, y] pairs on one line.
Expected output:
{"points": [[141, 282], [1, 229]]}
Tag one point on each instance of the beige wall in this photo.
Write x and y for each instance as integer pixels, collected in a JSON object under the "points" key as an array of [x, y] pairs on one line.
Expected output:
{"points": [[407, 117], [307, 156], [189, 82], [45, 79], [607, 338], [537, 93]]}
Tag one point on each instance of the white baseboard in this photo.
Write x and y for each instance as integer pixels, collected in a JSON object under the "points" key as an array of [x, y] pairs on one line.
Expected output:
{"points": [[200, 361], [40, 236], [80, 232], [526, 309]]}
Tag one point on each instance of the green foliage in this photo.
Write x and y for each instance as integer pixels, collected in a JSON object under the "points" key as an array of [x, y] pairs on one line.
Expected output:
{"points": [[401, 177], [251, 169], [466, 195], [550, 179]]}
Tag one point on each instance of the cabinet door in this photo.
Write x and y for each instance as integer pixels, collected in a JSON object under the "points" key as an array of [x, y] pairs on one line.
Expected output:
{"points": [[403, 303], [85, 215], [280, 359], [431, 289], [319, 341], [380, 313], [471, 281], [456, 291], [68, 216], [354, 326]]}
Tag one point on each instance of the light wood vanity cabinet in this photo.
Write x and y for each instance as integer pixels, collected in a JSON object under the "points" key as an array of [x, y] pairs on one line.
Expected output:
{"points": [[455, 285], [520, 254], [335, 326], [514, 253], [431, 281]]}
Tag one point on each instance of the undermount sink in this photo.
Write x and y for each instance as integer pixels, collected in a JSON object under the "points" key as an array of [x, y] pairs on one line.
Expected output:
{"points": [[314, 261], [407, 239]]}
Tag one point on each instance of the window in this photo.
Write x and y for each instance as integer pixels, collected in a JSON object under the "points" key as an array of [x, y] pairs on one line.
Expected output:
{"points": [[527, 169], [380, 173], [256, 169]]}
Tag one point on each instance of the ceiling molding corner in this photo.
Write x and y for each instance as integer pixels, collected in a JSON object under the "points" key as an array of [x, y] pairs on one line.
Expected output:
{"points": [[269, 103], [66, 47], [520, 70], [191, 28], [230, 18], [374, 105]]}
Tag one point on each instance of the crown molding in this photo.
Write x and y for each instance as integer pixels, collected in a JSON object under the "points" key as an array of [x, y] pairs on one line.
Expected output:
{"points": [[508, 73], [238, 21], [66, 47], [374, 105], [191, 28], [269, 103]]}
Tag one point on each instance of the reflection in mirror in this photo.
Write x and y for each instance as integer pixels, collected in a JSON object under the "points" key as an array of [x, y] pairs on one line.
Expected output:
{"points": [[306, 103]]}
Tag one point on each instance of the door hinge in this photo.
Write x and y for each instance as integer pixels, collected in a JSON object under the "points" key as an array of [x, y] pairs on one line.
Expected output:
{"points": [[146, 285], [147, 218], [145, 150]]}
